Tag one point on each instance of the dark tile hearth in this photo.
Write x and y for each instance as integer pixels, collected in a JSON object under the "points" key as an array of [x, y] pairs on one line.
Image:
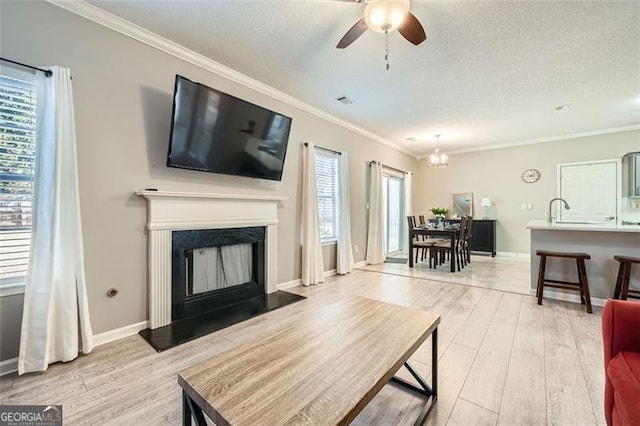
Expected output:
{"points": [[186, 329]]}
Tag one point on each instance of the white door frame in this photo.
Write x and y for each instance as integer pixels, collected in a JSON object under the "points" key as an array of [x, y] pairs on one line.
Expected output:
{"points": [[618, 163]]}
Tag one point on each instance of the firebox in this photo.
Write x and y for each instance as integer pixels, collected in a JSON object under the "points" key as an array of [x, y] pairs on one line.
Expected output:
{"points": [[214, 268]]}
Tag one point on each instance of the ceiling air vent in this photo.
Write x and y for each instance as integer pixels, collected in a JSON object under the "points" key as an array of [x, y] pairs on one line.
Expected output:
{"points": [[411, 139], [345, 100]]}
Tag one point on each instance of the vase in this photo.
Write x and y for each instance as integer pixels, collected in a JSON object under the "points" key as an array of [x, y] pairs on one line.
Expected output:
{"points": [[440, 222]]}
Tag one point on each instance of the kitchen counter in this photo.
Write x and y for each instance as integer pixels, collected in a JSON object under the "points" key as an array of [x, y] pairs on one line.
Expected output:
{"points": [[601, 241], [567, 226]]}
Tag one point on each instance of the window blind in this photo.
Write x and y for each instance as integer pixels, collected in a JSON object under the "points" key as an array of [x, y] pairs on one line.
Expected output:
{"points": [[17, 162], [327, 191]]}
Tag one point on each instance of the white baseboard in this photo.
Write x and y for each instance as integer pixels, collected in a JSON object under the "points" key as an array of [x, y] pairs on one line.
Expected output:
{"points": [[119, 333], [330, 273], [297, 282], [8, 366], [566, 297], [289, 284], [360, 264], [513, 254]]}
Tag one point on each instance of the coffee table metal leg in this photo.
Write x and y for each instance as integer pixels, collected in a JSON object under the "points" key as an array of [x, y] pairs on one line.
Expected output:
{"points": [[190, 408], [186, 413], [434, 364], [423, 389], [431, 392]]}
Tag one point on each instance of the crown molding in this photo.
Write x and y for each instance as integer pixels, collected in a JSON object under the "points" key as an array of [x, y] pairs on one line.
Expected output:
{"points": [[93, 13], [542, 140]]}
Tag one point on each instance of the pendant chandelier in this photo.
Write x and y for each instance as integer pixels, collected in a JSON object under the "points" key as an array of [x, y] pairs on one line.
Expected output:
{"points": [[437, 159]]}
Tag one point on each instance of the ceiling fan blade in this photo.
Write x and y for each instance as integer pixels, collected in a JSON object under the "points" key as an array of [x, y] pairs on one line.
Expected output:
{"points": [[356, 31], [412, 30]]}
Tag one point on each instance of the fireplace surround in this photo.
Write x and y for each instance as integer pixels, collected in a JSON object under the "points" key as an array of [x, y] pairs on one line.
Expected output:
{"points": [[169, 212]]}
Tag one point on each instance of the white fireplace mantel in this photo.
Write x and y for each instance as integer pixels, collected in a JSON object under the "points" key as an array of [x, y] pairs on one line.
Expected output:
{"points": [[173, 211], [194, 210]]}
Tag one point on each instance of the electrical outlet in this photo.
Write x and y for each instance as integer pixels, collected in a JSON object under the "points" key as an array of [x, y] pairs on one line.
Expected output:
{"points": [[529, 206], [356, 248], [523, 206]]}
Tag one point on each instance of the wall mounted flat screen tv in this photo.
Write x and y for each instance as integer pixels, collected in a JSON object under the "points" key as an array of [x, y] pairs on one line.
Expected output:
{"points": [[216, 132]]}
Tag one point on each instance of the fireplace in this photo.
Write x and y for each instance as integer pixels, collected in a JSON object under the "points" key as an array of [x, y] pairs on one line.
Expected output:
{"points": [[169, 212], [212, 268], [212, 263]]}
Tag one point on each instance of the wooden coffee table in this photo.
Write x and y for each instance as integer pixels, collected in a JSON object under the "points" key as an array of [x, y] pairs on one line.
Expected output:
{"points": [[322, 366]]}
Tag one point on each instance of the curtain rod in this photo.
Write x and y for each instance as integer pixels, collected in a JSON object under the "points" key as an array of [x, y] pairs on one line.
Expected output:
{"points": [[388, 167], [323, 149], [47, 73]]}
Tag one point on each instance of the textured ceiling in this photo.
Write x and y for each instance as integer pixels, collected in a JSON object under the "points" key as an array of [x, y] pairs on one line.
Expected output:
{"points": [[490, 73]]}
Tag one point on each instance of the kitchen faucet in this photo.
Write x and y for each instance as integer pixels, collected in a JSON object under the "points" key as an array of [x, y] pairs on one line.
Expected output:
{"points": [[566, 206]]}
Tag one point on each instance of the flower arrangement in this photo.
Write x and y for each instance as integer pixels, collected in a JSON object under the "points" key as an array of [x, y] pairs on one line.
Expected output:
{"points": [[439, 211]]}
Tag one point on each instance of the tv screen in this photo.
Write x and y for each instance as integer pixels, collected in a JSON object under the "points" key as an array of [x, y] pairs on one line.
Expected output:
{"points": [[216, 132]]}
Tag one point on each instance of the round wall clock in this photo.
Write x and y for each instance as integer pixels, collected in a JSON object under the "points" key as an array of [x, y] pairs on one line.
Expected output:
{"points": [[530, 176]]}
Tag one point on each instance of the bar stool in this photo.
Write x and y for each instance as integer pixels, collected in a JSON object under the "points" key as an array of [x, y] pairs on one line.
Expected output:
{"points": [[622, 283], [582, 285]]}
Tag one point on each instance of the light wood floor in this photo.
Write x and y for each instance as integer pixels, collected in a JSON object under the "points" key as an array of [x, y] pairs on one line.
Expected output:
{"points": [[508, 273], [503, 360]]}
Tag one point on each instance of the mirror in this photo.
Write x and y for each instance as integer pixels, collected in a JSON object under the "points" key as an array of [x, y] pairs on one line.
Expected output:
{"points": [[461, 204]]}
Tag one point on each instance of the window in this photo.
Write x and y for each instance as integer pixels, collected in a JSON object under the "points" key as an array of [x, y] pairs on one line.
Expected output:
{"points": [[327, 187], [17, 161], [393, 211]]}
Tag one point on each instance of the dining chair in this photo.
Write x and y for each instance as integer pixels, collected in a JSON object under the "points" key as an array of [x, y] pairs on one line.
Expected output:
{"points": [[444, 247], [464, 232], [423, 222], [467, 239], [424, 243]]}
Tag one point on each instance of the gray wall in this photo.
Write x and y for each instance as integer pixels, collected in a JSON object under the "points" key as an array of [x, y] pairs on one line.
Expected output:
{"points": [[496, 174], [123, 96]]}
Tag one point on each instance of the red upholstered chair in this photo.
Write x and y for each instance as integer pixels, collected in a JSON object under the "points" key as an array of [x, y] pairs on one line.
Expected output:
{"points": [[621, 336]]}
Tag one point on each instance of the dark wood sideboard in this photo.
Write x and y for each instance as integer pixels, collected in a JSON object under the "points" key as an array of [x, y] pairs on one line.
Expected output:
{"points": [[483, 235]]}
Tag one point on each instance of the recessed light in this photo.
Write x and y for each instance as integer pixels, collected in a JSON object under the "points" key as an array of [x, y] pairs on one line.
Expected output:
{"points": [[561, 107]]}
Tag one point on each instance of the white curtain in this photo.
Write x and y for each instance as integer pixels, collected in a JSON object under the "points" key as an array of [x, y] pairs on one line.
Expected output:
{"points": [[408, 205], [344, 263], [375, 244], [55, 321], [312, 266]]}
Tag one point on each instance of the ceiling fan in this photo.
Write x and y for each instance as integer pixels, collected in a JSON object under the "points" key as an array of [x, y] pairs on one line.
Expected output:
{"points": [[385, 16]]}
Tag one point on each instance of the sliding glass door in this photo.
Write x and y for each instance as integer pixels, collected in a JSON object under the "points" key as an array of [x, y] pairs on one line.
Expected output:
{"points": [[393, 204]]}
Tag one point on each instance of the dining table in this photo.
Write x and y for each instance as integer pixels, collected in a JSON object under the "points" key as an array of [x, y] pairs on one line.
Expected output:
{"points": [[450, 232]]}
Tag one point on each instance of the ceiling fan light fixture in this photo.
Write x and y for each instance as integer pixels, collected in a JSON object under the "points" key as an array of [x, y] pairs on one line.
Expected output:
{"points": [[384, 16]]}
